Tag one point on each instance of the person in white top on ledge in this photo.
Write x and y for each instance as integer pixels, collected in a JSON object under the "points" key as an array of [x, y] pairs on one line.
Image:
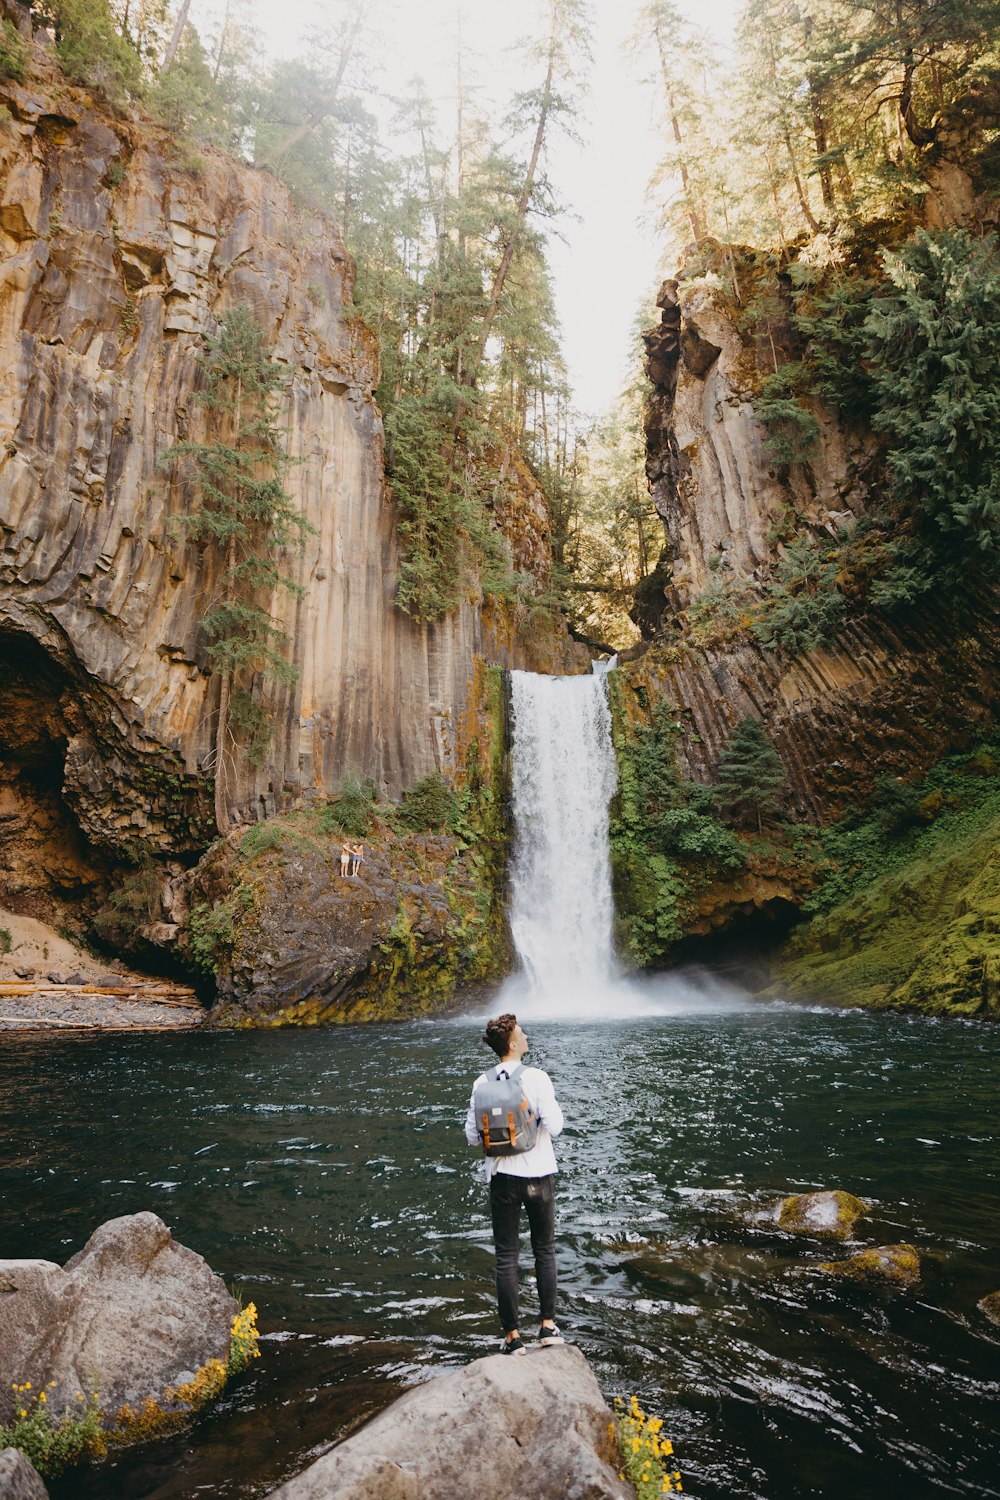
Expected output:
{"points": [[525, 1180]]}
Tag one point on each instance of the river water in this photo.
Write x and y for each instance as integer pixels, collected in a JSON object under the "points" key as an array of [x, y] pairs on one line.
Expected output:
{"points": [[326, 1175]]}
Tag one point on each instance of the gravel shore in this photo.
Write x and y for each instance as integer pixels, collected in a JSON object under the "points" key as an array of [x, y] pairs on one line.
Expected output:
{"points": [[64, 1012]]}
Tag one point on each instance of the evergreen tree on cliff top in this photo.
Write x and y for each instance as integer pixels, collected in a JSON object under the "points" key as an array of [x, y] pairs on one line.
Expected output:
{"points": [[244, 517], [932, 341], [750, 777]]}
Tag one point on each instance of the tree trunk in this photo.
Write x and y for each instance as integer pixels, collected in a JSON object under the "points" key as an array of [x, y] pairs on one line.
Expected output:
{"points": [[500, 276], [819, 128], [175, 39], [221, 763], [694, 217]]}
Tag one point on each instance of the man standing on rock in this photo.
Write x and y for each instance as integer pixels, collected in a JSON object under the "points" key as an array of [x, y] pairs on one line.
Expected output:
{"points": [[525, 1178]]}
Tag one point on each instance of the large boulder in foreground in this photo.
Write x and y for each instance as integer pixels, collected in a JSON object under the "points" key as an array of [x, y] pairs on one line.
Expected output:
{"points": [[829, 1215], [19, 1479], [134, 1315], [497, 1428]]}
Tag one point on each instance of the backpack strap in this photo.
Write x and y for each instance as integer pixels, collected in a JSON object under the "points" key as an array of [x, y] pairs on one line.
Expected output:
{"points": [[515, 1071]]}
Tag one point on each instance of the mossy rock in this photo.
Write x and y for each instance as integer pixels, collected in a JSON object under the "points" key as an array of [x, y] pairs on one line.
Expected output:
{"points": [[829, 1215], [887, 1265], [990, 1307]]}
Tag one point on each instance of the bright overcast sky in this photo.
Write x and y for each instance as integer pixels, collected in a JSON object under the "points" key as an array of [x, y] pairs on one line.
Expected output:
{"points": [[606, 262]]}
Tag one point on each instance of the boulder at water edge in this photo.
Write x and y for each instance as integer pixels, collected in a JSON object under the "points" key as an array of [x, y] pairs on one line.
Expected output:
{"points": [[887, 1265], [498, 1428], [19, 1479], [133, 1315], [828, 1215]]}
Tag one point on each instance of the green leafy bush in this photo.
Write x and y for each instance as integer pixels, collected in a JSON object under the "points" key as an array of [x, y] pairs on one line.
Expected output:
{"points": [[896, 804], [352, 810], [212, 930], [428, 805], [133, 903], [53, 1444], [830, 312], [665, 836]]}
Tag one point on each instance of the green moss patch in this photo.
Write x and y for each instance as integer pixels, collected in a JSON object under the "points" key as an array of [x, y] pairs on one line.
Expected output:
{"points": [[925, 935]]}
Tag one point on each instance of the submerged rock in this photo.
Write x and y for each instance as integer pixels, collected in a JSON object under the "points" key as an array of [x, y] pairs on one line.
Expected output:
{"points": [[497, 1428], [888, 1265], [990, 1307], [133, 1316], [19, 1479], [829, 1215]]}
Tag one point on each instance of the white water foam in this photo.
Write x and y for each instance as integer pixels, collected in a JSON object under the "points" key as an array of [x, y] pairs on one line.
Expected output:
{"points": [[564, 775]]}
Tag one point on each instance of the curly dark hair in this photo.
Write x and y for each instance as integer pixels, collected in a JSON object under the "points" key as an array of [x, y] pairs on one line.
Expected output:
{"points": [[498, 1033]]}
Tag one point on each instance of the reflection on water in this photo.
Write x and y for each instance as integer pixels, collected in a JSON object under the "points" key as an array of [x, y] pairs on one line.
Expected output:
{"points": [[326, 1174]]}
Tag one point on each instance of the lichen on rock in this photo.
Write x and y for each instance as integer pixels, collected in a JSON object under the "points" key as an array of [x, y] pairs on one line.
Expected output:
{"points": [[885, 1265], [828, 1215], [133, 1334]]}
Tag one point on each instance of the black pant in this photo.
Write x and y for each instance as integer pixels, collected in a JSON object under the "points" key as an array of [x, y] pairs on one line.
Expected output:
{"points": [[537, 1194]]}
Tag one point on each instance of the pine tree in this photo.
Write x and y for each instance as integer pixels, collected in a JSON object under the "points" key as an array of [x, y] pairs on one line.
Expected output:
{"points": [[750, 777], [932, 341], [245, 517]]}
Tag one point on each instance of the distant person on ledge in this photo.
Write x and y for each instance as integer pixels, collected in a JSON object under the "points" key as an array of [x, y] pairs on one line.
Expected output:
{"points": [[520, 1168]]}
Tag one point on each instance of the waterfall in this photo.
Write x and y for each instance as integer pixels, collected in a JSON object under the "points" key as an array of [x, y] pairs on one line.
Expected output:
{"points": [[564, 776], [561, 910]]}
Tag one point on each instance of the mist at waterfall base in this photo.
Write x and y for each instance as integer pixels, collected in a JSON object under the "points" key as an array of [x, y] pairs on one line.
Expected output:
{"points": [[563, 777]]}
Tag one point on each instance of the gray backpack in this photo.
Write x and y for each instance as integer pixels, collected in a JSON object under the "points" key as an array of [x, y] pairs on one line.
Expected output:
{"points": [[506, 1121]]}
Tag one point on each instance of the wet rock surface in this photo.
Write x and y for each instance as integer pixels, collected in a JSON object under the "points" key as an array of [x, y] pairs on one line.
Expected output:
{"points": [[989, 1306], [828, 1215], [134, 1314], [884, 1265], [497, 1428]]}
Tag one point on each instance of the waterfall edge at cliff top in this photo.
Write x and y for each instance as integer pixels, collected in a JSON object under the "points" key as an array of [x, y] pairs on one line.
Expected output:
{"points": [[563, 777]]}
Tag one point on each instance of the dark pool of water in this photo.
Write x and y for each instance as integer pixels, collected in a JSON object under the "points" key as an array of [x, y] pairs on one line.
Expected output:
{"points": [[326, 1175]]}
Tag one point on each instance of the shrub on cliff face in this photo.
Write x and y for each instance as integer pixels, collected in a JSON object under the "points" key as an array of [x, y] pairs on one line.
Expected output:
{"points": [[804, 604], [428, 805], [13, 53]]}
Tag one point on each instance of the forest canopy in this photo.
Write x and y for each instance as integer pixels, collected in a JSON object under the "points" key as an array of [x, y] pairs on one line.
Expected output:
{"points": [[815, 142]]}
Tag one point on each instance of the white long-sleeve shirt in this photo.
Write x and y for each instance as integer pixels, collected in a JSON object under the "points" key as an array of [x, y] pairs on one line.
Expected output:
{"points": [[540, 1161]]}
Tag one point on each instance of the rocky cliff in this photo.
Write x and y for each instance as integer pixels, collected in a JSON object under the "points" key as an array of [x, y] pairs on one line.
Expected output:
{"points": [[721, 495], [885, 697], [117, 257]]}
